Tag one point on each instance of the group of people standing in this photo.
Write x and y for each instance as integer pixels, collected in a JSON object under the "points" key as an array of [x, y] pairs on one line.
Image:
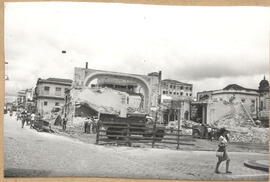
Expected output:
{"points": [[27, 117], [90, 125]]}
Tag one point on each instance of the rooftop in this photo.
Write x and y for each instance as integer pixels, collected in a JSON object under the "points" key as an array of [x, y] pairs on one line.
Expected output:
{"points": [[60, 80], [237, 87], [175, 81], [56, 81]]}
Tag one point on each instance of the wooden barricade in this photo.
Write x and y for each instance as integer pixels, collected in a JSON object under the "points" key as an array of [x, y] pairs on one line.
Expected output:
{"points": [[129, 134]]}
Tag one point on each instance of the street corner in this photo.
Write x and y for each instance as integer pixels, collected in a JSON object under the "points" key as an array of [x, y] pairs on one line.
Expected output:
{"points": [[258, 164]]}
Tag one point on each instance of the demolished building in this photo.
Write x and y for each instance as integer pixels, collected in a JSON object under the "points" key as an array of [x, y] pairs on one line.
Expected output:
{"points": [[238, 109], [112, 91]]}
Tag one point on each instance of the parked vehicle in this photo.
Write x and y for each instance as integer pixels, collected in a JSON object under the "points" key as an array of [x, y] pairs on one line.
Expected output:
{"points": [[172, 125], [199, 131], [42, 125], [139, 124]]}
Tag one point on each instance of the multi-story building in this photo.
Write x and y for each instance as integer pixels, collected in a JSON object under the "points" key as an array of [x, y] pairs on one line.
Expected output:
{"points": [[29, 99], [21, 98], [175, 100], [176, 89], [50, 93]]}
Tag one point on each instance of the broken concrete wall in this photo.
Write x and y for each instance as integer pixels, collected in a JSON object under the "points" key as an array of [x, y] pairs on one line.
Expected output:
{"points": [[232, 116], [100, 98], [103, 97]]}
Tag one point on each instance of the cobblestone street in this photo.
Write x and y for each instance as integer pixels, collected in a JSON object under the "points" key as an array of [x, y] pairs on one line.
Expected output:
{"points": [[63, 156]]}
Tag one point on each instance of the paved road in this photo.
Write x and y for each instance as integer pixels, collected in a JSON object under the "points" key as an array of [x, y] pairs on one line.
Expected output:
{"points": [[29, 153]]}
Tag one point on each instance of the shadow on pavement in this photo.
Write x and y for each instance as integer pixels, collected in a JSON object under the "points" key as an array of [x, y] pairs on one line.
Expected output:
{"points": [[13, 172]]}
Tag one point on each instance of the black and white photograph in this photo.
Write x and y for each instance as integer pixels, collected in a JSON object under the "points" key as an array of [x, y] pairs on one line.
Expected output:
{"points": [[136, 91]]}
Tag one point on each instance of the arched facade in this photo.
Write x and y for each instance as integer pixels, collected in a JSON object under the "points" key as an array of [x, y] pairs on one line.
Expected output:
{"points": [[150, 84], [139, 80]]}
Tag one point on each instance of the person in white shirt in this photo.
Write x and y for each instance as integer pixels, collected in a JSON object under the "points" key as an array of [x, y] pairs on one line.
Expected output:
{"points": [[222, 147], [32, 120]]}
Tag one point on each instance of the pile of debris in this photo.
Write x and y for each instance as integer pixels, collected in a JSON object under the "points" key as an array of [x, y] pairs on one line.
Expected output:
{"points": [[249, 135], [233, 120], [188, 123], [242, 129]]}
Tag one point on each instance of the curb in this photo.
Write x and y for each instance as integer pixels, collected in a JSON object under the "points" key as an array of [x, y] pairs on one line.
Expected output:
{"points": [[257, 165]]}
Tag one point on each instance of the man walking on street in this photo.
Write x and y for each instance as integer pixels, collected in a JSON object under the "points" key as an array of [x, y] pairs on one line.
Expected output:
{"points": [[23, 115]]}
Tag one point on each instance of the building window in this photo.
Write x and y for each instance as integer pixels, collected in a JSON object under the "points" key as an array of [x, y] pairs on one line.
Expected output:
{"points": [[164, 92], [181, 93], [190, 88], [181, 87], [261, 105], [171, 86], [174, 87], [66, 89], [170, 92], [174, 93], [190, 94], [186, 94], [46, 90], [177, 93], [57, 103], [58, 91], [187, 88], [45, 103]]}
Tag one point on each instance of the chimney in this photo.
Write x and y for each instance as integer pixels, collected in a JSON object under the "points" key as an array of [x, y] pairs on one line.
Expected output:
{"points": [[86, 65]]}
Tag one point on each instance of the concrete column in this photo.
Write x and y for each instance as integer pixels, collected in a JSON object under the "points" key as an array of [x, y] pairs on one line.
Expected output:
{"points": [[203, 114]]}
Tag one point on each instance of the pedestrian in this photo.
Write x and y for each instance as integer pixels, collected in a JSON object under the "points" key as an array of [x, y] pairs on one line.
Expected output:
{"points": [[32, 119], [87, 125], [94, 125], [92, 122], [209, 130], [18, 115], [222, 153], [64, 126], [24, 116]]}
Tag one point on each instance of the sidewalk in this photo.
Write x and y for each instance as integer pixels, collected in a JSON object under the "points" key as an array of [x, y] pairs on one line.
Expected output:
{"points": [[184, 164], [66, 157]]}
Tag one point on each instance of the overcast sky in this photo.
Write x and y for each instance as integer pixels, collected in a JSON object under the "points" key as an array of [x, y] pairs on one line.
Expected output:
{"points": [[209, 47]]}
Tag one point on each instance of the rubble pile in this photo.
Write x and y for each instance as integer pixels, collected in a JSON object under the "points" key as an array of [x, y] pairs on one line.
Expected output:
{"points": [[188, 123], [242, 129], [186, 131], [249, 135], [78, 122], [233, 120]]}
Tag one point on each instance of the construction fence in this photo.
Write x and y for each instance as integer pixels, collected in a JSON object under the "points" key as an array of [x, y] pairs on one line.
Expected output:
{"points": [[131, 134]]}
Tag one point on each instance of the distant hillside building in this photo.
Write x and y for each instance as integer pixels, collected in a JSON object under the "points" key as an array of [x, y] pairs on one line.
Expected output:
{"points": [[49, 93]]}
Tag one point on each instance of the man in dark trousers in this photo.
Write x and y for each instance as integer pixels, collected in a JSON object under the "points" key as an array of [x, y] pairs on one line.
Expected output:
{"points": [[24, 116], [87, 125], [64, 123]]}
